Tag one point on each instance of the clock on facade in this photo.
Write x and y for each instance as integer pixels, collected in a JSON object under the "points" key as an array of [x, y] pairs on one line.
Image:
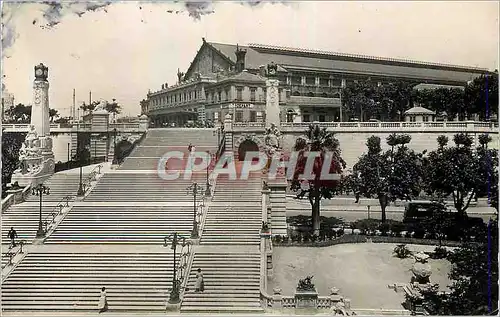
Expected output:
{"points": [[39, 72]]}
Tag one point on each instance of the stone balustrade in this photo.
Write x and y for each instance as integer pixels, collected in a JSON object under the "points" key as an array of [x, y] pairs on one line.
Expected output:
{"points": [[81, 127], [451, 126]]}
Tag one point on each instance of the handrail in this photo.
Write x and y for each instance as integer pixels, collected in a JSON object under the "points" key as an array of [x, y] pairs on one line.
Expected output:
{"points": [[54, 213], [12, 255], [7, 202], [222, 146], [91, 176]]}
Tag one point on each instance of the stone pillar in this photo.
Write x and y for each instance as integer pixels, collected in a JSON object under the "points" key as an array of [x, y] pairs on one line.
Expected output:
{"points": [[272, 103], [99, 120], [228, 130], [277, 201], [143, 123]]}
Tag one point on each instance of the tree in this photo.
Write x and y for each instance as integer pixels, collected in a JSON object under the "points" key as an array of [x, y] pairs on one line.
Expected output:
{"points": [[113, 107], [455, 171], [475, 275], [19, 113], [482, 95], [358, 99], [53, 113], [395, 174], [11, 144], [89, 107], [487, 179], [444, 100], [322, 141]]}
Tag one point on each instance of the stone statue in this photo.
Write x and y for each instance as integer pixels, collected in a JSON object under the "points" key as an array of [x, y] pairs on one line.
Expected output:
{"points": [[272, 69], [421, 269], [306, 285], [271, 139], [101, 106]]}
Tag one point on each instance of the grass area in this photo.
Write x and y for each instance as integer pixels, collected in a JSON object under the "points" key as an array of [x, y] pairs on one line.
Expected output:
{"points": [[360, 271]]}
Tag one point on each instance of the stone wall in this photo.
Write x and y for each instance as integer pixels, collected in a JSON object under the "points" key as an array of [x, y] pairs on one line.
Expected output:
{"points": [[353, 144]]}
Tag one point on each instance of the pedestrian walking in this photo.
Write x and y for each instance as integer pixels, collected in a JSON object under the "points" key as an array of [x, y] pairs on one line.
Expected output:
{"points": [[12, 236], [103, 301], [200, 284]]}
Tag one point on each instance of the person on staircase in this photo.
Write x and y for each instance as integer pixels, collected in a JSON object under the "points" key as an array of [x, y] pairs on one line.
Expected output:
{"points": [[200, 284], [103, 301], [12, 236]]}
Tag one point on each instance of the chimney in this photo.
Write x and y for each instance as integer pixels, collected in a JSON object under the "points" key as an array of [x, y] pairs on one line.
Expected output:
{"points": [[262, 70], [240, 59]]}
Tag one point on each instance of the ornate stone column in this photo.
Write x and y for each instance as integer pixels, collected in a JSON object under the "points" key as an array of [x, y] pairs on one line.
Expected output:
{"points": [[272, 98], [36, 157]]}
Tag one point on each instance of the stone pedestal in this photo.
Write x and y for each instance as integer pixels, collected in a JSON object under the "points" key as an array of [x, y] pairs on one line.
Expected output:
{"points": [[277, 202], [36, 156], [306, 299], [272, 103]]}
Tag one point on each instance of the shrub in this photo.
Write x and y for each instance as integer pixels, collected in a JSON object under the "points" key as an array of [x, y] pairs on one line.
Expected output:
{"points": [[419, 233], [314, 238], [340, 232], [322, 235], [277, 238], [306, 237], [439, 253], [285, 239], [408, 234], [329, 234], [383, 227], [401, 251], [396, 228]]}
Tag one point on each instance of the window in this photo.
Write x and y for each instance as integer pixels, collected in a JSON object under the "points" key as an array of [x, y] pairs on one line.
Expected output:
{"points": [[207, 96], [195, 94], [280, 91], [323, 82], [239, 93], [310, 80], [252, 94], [288, 93], [296, 80], [412, 119], [264, 90], [337, 82], [227, 94], [307, 118], [289, 115], [322, 118], [220, 96], [238, 116], [425, 118], [253, 116]]}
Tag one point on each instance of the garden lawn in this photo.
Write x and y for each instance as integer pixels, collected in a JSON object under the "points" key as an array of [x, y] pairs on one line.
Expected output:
{"points": [[360, 271]]}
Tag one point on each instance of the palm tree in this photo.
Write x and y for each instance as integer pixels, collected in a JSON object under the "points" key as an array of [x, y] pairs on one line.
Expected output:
{"points": [[113, 107], [317, 140], [89, 107], [53, 113]]}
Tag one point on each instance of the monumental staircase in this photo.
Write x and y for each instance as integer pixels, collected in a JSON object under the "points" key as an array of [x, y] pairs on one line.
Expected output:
{"points": [[228, 254], [111, 238]]}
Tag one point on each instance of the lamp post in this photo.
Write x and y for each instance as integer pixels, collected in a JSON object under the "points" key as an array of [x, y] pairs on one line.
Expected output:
{"points": [[175, 239], [80, 191], [95, 150], [208, 193], [40, 190], [115, 161], [195, 189], [67, 164]]}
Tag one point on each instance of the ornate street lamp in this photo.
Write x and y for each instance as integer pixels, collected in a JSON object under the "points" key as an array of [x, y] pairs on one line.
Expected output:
{"points": [[40, 190], [174, 240], [115, 161], [80, 191], [194, 189], [208, 193]]}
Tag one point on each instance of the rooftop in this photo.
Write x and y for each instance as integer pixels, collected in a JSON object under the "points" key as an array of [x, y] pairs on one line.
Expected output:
{"points": [[296, 59]]}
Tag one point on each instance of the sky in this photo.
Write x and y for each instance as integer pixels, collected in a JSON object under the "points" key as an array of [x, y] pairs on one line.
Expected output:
{"points": [[122, 49]]}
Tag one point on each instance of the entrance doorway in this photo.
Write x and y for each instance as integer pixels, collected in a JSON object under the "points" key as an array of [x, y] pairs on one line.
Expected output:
{"points": [[246, 146]]}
